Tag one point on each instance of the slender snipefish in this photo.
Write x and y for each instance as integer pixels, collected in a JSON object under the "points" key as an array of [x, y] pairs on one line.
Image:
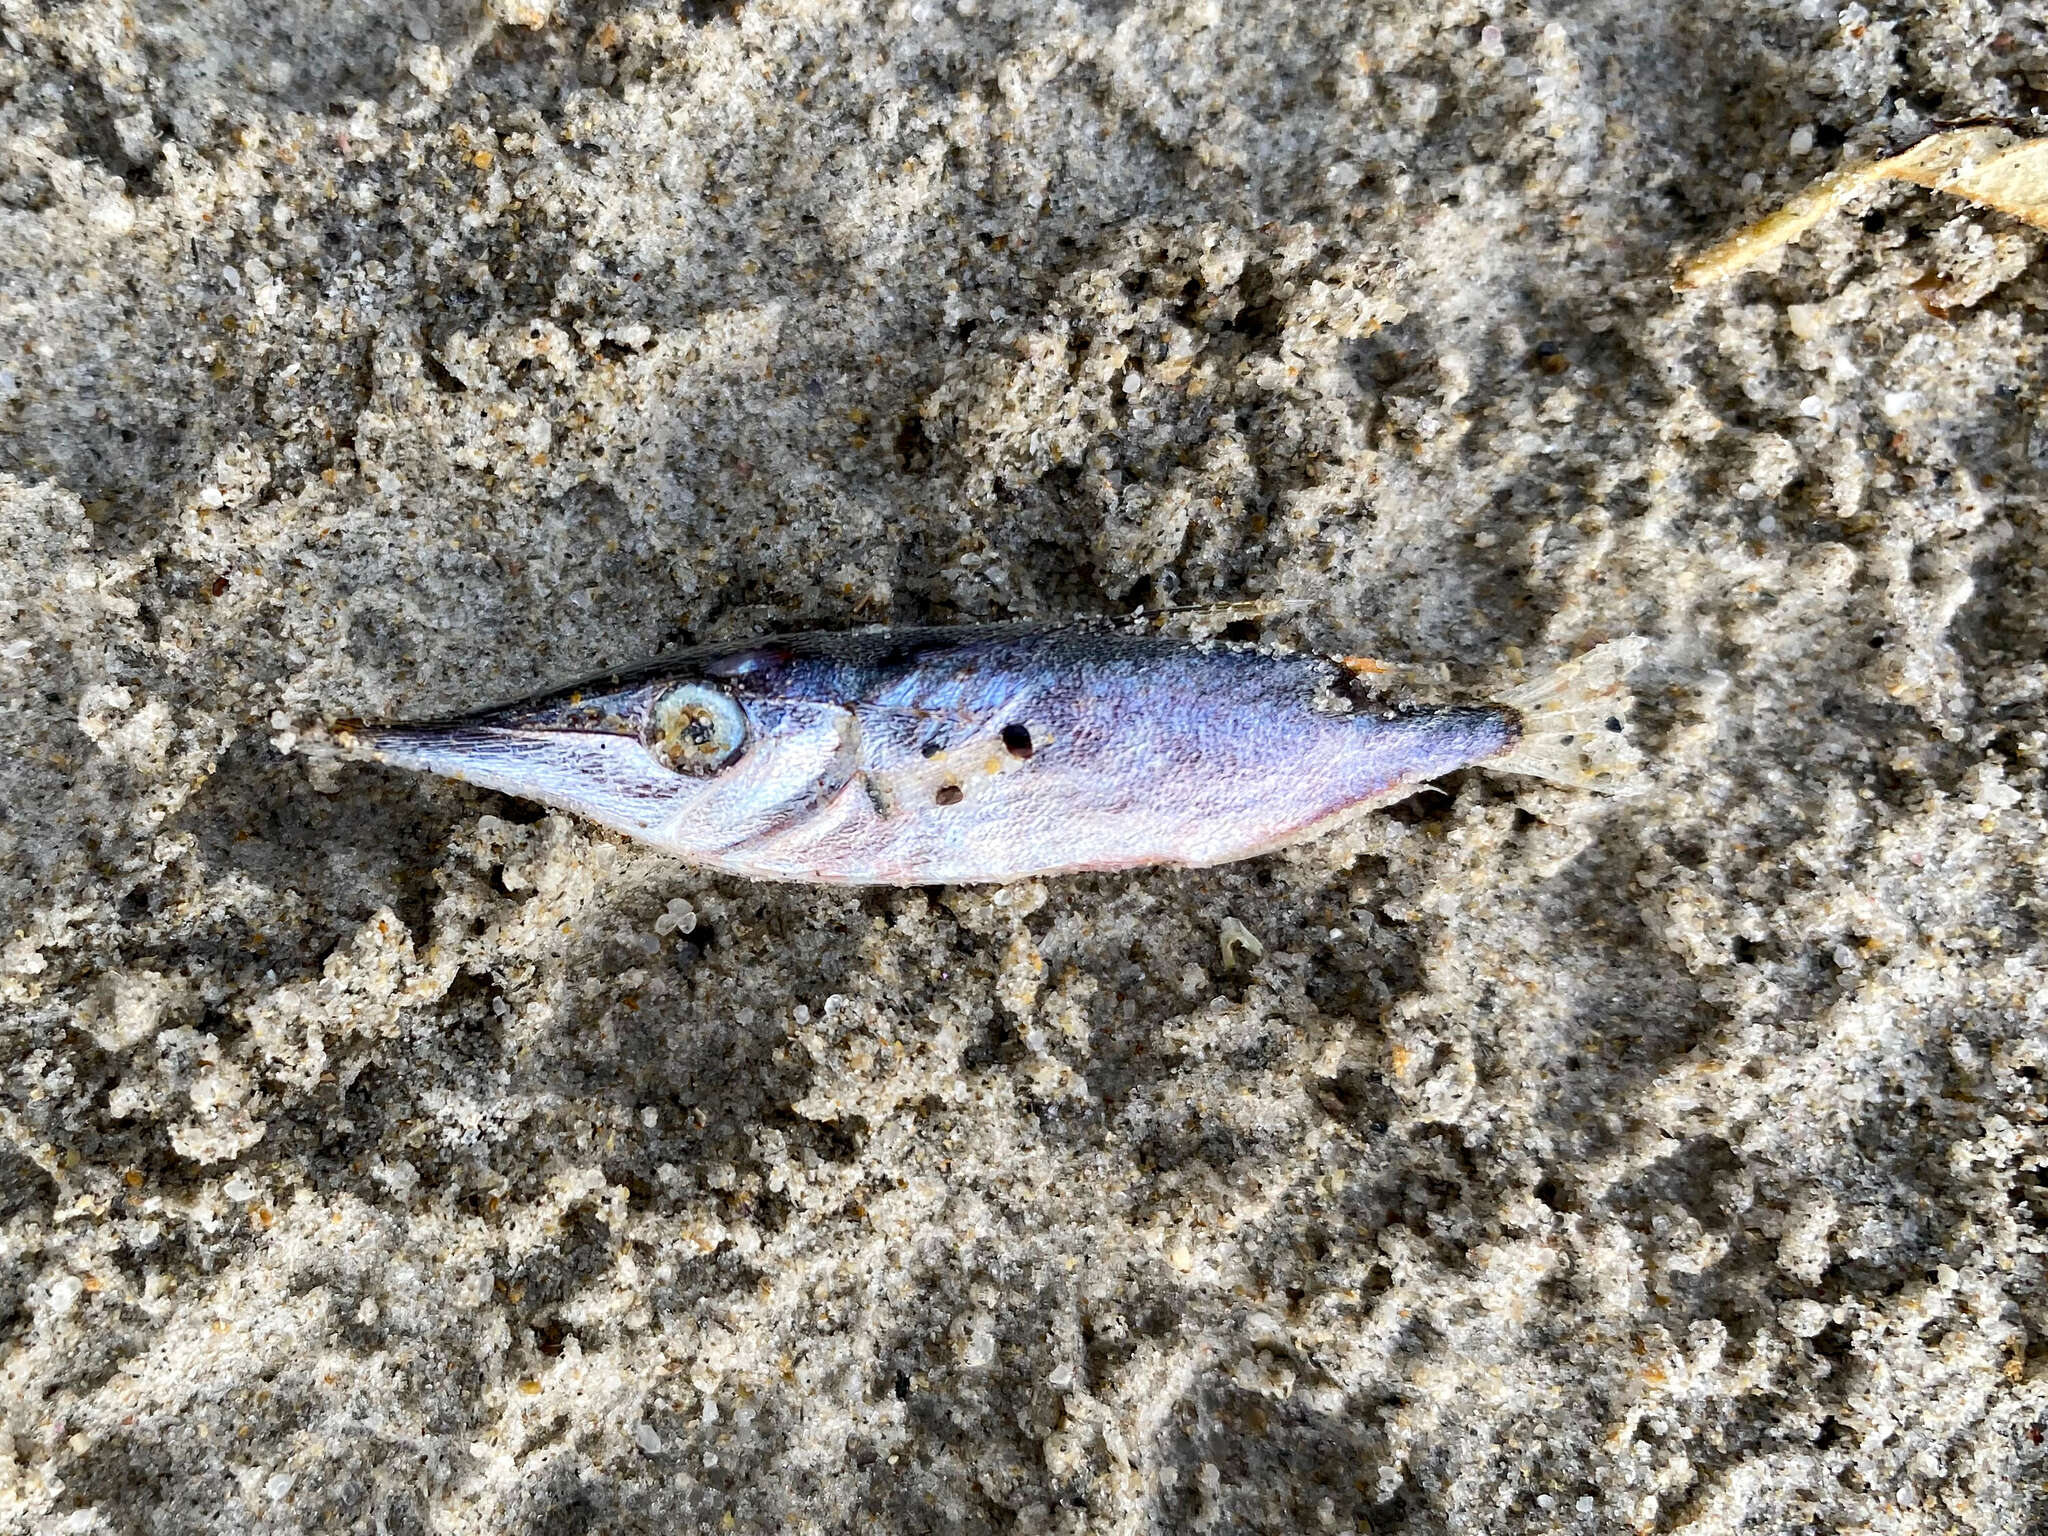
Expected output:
{"points": [[988, 753]]}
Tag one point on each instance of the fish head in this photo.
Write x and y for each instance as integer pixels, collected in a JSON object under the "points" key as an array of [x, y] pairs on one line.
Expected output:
{"points": [[696, 758]]}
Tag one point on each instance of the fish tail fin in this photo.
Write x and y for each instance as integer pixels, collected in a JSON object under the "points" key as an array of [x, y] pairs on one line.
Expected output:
{"points": [[1575, 721]]}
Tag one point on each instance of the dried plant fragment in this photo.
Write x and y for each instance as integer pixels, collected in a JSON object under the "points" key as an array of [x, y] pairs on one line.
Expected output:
{"points": [[1988, 165]]}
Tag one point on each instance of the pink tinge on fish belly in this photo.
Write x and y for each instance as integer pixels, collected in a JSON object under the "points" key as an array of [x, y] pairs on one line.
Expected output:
{"points": [[940, 825]]}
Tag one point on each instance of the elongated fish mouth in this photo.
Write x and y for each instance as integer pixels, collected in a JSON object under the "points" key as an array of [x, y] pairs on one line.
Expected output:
{"points": [[369, 736], [455, 748], [572, 769], [383, 739], [586, 710]]}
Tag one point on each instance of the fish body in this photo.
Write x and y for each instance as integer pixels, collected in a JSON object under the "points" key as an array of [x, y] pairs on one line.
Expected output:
{"points": [[955, 755]]}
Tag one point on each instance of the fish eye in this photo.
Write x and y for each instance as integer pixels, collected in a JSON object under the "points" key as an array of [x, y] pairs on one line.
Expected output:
{"points": [[695, 729]]}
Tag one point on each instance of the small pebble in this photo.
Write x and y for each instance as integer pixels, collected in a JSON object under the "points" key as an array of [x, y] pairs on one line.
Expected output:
{"points": [[1233, 937]]}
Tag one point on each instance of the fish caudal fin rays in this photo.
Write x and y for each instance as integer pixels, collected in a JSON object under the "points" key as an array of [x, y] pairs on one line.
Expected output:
{"points": [[1575, 721]]}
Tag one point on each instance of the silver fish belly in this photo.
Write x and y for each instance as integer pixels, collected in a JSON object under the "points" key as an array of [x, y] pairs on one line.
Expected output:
{"points": [[992, 753]]}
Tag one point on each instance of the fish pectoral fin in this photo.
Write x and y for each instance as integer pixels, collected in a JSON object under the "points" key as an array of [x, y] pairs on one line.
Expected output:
{"points": [[878, 796]]}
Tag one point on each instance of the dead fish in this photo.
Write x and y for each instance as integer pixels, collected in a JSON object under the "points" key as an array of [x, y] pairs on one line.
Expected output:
{"points": [[999, 752]]}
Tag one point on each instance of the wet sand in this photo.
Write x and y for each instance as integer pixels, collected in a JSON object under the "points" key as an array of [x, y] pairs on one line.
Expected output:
{"points": [[382, 1154]]}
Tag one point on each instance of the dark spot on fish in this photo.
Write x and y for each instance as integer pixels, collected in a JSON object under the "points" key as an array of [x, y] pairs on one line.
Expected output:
{"points": [[933, 747], [876, 798], [950, 794], [1017, 739], [1614, 724]]}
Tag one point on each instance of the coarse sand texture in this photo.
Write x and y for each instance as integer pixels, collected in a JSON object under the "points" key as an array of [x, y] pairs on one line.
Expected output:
{"points": [[381, 1154]]}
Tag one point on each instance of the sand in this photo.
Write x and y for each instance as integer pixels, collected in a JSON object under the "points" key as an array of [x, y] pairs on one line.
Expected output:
{"points": [[381, 1154]]}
